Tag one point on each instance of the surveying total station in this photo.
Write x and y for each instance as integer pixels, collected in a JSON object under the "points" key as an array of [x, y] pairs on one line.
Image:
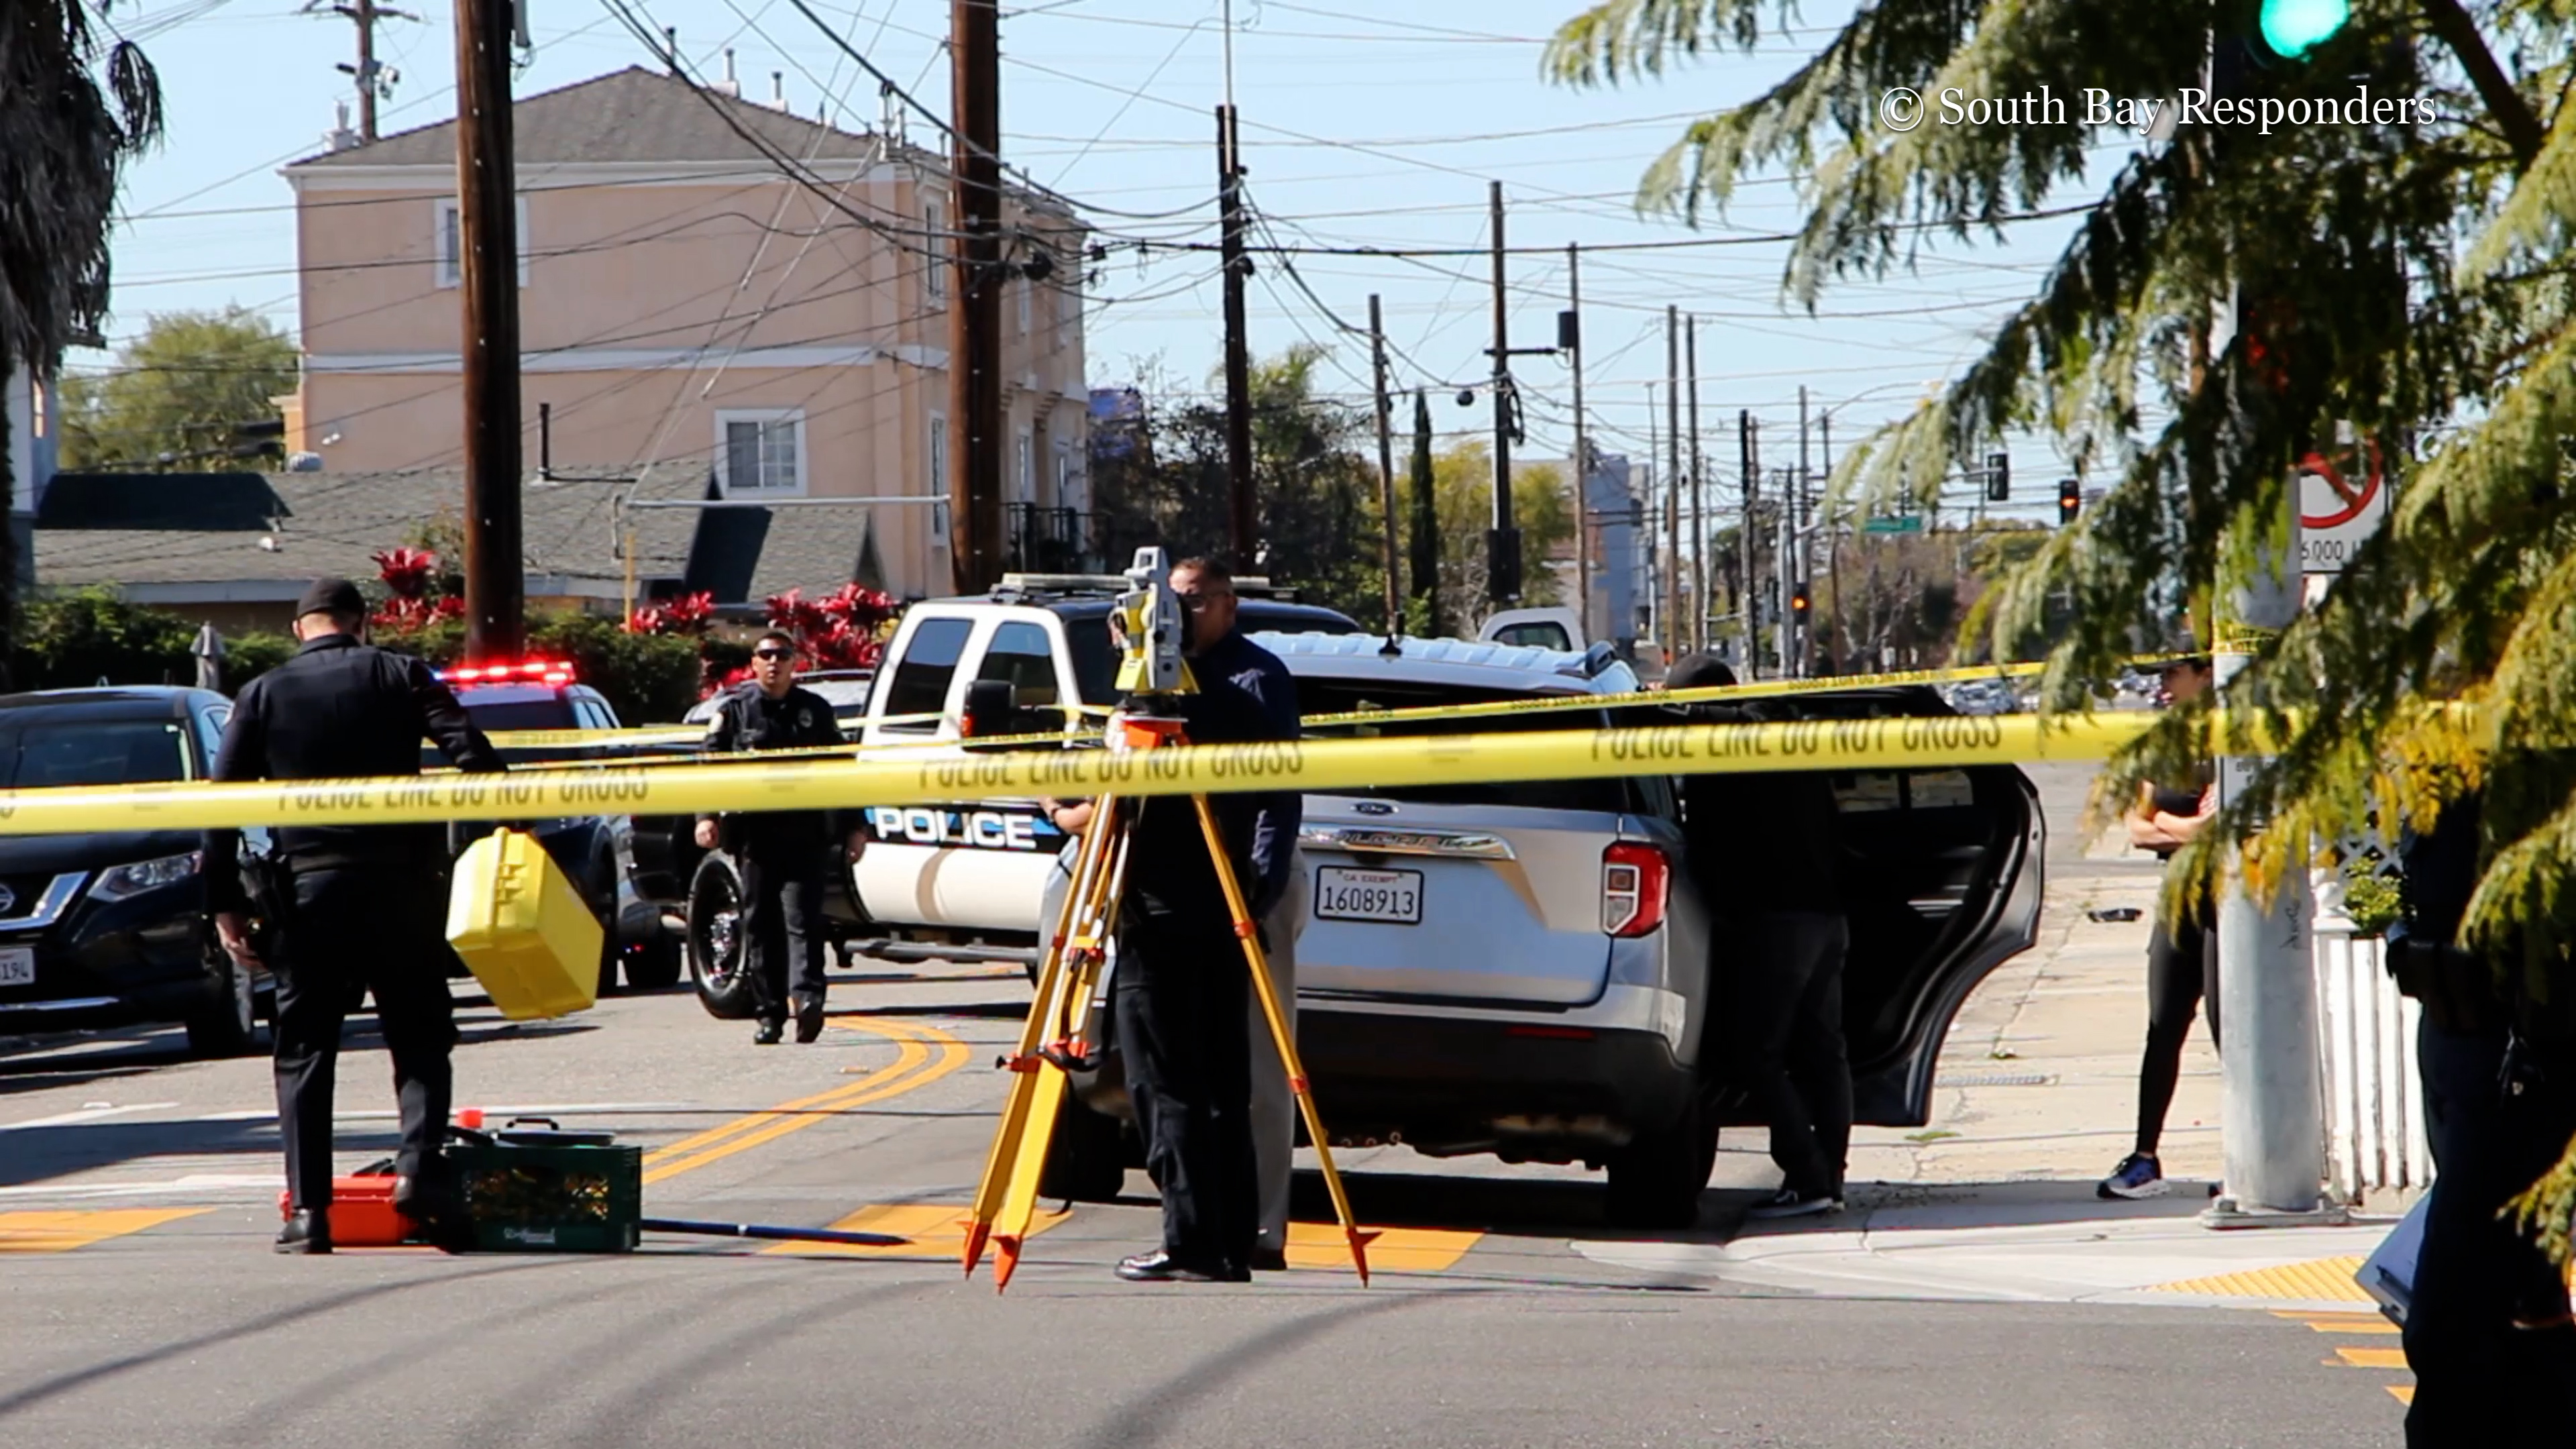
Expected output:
{"points": [[1152, 631]]}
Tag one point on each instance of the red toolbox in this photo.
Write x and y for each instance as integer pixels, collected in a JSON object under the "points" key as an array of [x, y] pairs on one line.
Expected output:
{"points": [[362, 1212]]}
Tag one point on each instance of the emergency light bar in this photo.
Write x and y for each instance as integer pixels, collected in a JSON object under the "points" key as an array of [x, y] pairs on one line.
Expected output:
{"points": [[533, 671]]}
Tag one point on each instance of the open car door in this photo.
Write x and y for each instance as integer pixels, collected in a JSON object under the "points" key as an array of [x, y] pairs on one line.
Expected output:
{"points": [[1943, 875]]}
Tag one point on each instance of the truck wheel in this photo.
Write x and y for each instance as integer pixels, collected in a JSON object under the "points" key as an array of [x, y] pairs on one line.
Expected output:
{"points": [[1655, 1181], [719, 958], [227, 1026], [1087, 1159]]}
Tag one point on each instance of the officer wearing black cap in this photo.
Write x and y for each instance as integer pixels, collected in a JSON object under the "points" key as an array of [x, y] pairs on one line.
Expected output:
{"points": [[361, 907]]}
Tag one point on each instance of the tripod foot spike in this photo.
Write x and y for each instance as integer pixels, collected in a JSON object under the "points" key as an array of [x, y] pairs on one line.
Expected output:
{"points": [[1006, 1260], [1360, 1239], [976, 1234]]}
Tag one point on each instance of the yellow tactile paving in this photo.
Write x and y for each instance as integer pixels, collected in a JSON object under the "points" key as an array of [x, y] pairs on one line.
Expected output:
{"points": [[936, 1229], [1396, 1250], [60, 1232], [2327, 1280]]}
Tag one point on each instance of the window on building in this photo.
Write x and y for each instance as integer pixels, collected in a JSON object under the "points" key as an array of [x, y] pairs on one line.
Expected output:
{"points": [[1023, 481], [761, 452], [1025, 288], [1064, 476], [934, 220], [448, 240]]}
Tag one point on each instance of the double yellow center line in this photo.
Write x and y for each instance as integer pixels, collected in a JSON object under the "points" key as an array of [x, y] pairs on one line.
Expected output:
{"points": [[923, 1055]]}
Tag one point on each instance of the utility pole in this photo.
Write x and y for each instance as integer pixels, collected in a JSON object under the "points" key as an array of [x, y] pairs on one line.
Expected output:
{"points": [[1569, 336], [1673, 635], [1243, 519], [1503, 544], [1749, 457], [374, 82], [1797, 536], [1385, 466], [1703, 598], [1645, 532], [975, 295], [487, 226]]}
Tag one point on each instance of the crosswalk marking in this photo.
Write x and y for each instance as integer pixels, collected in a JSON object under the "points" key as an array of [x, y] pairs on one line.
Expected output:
{"points": [[2364, 1323], [2372, 1358], [2405, 1393], [1393, 1250], [60, 1231]]}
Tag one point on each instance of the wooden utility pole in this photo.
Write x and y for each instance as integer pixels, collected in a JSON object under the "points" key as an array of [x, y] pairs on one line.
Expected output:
{"points": [[372, 80], [487, 227], [1645, 534], [1385, 467], [1703, 597], [975, 295], [1242, 511], [1749, 456], [1569, 337], [1673, 635], [1503, 543]]}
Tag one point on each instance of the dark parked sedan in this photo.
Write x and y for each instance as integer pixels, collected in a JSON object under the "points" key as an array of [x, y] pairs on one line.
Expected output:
{"points": [[109, 928]]}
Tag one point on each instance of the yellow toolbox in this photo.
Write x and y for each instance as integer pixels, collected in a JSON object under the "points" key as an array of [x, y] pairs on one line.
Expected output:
{"points": [[522, 929]]}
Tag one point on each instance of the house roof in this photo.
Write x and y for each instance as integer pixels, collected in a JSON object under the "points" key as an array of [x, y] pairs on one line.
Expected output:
{"points": [[627, 115], [238, 529]]}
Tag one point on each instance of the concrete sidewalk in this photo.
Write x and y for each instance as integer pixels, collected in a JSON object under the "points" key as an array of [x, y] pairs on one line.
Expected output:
{"points": [[2036, 1101]]}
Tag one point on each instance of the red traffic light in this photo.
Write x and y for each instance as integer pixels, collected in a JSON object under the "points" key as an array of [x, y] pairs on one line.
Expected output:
{"points": [[2070, 501]]}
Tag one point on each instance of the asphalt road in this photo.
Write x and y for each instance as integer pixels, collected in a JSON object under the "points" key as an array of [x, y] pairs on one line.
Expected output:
{"points": [[138, 1191]]}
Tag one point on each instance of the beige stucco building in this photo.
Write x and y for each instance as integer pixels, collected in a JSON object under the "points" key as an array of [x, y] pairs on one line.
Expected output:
{"points": [[708, 286]]}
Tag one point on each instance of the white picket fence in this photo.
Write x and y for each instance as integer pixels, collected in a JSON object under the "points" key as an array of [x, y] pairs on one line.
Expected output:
{"points": [[2374, 1118]]}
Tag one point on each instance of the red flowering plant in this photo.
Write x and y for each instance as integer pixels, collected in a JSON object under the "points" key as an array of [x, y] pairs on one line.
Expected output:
{"points": [[414, 602], [687, 614], [844, 629]]}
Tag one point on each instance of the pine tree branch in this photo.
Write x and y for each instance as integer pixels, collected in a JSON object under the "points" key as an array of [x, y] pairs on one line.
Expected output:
{"points": [[2513, 116]]}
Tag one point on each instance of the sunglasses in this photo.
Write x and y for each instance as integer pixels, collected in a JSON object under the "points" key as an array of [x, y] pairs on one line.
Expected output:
{"points": [[773, 654], [1197, 603]]}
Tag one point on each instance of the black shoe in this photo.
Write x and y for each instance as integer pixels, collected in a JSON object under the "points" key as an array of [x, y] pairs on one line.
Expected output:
{"points": [[306, 1232], [809, 1019], [1159, 1266], [1269, 1260], [431, 1200], [769, 1034]]}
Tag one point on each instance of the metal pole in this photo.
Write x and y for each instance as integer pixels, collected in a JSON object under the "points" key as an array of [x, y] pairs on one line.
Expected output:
{"points": [[1385, 466], [1243, 525], [488, 264], [1582, 451], [1646, 538], [1701, 596], [2272, 1113], [975, 296], [1797, 537], [1503, 545], [1749, 456], [1673, 635]]}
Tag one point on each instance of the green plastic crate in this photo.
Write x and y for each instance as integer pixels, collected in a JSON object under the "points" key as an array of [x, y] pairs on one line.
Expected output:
{"points": [[551, 1199]]}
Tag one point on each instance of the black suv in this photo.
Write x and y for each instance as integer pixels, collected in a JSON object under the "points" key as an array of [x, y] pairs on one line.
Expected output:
{"points": [[109, 927]]}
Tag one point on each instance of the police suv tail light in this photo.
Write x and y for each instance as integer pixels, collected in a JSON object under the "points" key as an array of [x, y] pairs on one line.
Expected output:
{"points": [[1634, 879], [121, 882]]}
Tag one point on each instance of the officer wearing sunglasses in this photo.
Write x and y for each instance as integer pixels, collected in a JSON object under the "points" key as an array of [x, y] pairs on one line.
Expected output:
{"points": [[781, 853]]}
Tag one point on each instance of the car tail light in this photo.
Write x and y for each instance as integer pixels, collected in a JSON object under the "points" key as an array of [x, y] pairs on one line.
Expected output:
{"points": [[527, 671], [1634, 878]]}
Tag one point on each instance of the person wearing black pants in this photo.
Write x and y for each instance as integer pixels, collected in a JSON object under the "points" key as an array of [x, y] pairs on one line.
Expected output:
{"points": [[1767, 849], [2182, 959], [361, 907], [2488, 1331], [781, 854]]}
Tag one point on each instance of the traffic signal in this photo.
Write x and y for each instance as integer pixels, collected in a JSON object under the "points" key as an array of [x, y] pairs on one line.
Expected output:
{"points": [[2292, 28], [1999, 477], [2070, 501], [1799, 604]]}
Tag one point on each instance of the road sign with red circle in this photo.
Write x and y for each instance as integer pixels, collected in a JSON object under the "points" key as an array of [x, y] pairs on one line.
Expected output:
{"points": [[2343, 495]]}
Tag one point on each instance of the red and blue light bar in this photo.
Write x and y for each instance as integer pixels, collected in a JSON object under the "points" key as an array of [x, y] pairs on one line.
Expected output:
{"points": [[532, 671]]}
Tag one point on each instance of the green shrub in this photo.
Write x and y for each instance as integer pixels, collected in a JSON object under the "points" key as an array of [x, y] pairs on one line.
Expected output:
{"points": [[646, 678], [2373, 904], [254, 654], [80, 637]]}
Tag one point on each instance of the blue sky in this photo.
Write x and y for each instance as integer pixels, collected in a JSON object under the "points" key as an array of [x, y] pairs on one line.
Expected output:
{"points": [[1363, 125]]}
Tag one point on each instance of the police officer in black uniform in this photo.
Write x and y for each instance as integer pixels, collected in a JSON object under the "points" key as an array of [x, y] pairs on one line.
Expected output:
{"points": [[361, 908], [781, 853], [2488, 1332]]}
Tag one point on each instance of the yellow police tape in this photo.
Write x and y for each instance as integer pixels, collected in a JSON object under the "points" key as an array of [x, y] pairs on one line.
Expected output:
{"points": [[1311, 765]]}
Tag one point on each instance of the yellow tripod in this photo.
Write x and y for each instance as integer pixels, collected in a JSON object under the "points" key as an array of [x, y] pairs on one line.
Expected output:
{"points": [[1052, 1041]]}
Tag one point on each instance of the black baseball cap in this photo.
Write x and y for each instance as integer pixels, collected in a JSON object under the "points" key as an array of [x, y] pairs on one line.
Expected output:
{"points": [[331, 596]]}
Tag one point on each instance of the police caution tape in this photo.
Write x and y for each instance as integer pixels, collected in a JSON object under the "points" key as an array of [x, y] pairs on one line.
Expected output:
{"points": [[1311, 765]]}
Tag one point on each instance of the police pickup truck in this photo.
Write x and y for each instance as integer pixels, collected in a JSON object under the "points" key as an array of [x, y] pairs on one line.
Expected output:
{"points": [[963, 881]]}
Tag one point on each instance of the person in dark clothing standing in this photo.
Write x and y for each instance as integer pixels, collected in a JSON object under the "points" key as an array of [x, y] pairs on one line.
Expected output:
{"points": [[363, 909], [1181, 990], [1767, 850], [2182, 957], [781, 853], [2487, 1330]]}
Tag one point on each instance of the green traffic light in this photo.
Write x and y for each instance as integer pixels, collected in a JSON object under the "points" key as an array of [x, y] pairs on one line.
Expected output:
{"points": [[2294, 27]]}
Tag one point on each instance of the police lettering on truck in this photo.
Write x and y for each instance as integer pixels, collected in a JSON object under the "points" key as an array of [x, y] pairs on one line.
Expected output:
{"points": [[976, 829]]}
